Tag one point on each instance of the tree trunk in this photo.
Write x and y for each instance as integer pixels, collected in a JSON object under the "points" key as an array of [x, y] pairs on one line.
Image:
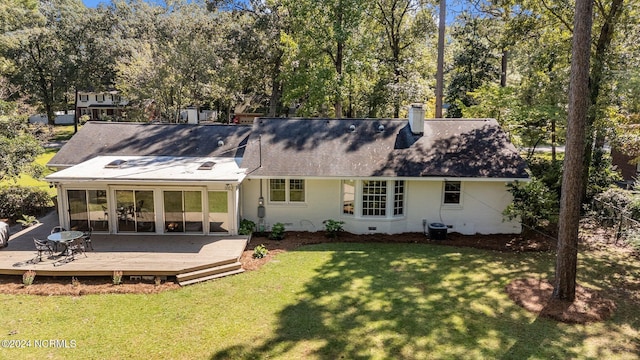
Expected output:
{"points": [[276, 86], [503, 68], [339, 59], [570, 200], [76, 113], [51, 116], [596, 77], [553, 140], [440, 68]]}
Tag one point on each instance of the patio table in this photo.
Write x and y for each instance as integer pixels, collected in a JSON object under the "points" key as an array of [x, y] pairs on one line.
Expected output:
{"points": [[64, 237]]}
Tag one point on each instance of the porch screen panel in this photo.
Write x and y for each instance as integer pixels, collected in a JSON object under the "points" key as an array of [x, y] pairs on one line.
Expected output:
{"points": [[218, 212], [78, 218], [173, 217], [125, 210], [144, 211], [98, 210], [193, 211]]}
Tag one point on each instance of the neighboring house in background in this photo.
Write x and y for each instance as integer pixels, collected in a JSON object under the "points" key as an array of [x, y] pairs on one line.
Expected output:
{"points": [[61, 118], [107, 105], [376, 175], [245, 118], [626, 166]]}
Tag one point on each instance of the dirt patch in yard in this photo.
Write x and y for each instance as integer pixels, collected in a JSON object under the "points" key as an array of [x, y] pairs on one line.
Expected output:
{"points": [[535, 295]]}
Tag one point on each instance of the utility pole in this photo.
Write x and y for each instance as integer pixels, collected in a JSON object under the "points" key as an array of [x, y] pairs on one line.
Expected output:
{"points": [[440, 70]]}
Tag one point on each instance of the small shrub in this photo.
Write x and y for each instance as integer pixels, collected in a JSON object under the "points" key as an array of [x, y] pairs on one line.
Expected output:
{"points": [[117, 277], [260, 251], [608, 205], [634, 208], [28, 277], [546, 170], [333, 228], [27, 220], [277, 231], [246, 227], [17, 201], [601, 177], [74, 281], [157, 281], [533, 203], [632, 238]]}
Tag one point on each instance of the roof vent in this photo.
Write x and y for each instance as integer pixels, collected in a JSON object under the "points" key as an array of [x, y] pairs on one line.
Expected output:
{"points": [[352, 128], [380, 128], [220, 143], [115, 164], [207, 165]]}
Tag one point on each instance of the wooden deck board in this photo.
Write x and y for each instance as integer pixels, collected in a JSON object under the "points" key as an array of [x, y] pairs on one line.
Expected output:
{"points": [[131, 254]]}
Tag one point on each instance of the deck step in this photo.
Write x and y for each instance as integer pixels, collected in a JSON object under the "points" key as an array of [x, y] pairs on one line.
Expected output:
{"points": [[210, 277], [214, 269], [211, 265]]}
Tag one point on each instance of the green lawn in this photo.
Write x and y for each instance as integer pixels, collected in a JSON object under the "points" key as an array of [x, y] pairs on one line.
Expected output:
{"points": [[28, 181], [332, 301], [63, 132], [60, 133]]}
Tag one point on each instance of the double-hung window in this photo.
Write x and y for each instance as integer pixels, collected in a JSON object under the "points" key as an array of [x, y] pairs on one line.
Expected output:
{"points": [[452, 192], [287, 191], [100, 98]]}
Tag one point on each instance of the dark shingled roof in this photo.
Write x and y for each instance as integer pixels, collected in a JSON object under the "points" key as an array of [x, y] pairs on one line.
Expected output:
{"points": [[315, 147], [327, 148], [109, 138]]}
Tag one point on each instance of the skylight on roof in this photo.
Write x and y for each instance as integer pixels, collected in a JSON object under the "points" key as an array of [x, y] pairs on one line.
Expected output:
{"points": [[207, 165], [115, 164]]}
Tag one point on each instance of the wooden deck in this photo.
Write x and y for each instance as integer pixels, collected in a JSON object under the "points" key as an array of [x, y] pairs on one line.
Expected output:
{"points": [[151, 255]]}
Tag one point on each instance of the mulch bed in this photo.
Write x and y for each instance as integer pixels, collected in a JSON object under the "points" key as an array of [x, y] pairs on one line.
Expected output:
{"points": [[47, 286], [535, 295], [532, 294]]}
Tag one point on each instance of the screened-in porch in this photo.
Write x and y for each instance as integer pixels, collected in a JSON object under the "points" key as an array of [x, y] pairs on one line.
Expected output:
{"points": [[155, 210], [115, 203]]}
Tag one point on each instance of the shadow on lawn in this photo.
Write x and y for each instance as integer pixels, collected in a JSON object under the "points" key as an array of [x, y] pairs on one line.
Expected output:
{"points": [[412, 301]]}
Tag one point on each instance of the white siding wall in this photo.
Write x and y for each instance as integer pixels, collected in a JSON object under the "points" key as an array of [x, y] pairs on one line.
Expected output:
{"points": [[480, 211], [86, 99], [322, 202]]}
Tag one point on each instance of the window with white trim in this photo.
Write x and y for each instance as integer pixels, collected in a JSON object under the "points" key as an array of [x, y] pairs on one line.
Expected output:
{"points": [[452, 193], [398, 198], [83, 97], [287, 190], [374, 198], [348, 197], [100, 97]]}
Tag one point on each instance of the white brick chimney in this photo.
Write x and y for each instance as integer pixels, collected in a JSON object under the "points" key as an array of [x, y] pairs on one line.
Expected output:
{"points": [[416, 119]]}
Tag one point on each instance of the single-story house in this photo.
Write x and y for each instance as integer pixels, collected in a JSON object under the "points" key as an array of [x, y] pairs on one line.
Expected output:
{"points": [[626, 165], [376, 175]]}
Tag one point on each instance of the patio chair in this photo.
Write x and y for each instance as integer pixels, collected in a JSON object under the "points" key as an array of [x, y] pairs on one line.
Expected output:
{"points": [[86, 238], [57, 229], [76, 247], [43, 246]]}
